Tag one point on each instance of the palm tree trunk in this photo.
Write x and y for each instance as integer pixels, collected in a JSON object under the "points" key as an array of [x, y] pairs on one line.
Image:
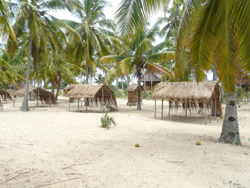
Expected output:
{"points": [[53, 87], [139, 91], [58, 87], [230, 128], [117, 86], [87, 73], [25, 104], [122, 86]]}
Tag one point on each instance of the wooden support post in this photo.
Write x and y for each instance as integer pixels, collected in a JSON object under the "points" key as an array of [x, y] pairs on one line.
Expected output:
{"points": [[37, 97], [155, 108], [94, 105], [102, 100], [81, 103], [0, 98], [205, 114], [14, 101], [168, 108], [6, 97], [49, 99], [69, 104], [211, 110], [186, 108], [86, 104], [215, 109], [162, 109], [78, 104]]}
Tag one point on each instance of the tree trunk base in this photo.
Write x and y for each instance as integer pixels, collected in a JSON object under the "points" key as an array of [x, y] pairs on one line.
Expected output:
{"points": [[230, 128]]}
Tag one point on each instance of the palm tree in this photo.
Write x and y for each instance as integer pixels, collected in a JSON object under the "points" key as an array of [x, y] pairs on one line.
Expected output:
{"points": [[5, 24], [9, 72], [138, 56], [33, 20], [218, 32], [94, 30]]}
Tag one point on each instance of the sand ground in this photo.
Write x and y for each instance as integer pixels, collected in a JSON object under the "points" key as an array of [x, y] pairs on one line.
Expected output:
{"points": [[52, 147]]}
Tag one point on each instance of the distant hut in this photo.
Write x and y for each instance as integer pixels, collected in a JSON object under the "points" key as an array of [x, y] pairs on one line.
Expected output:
{"points": [[150, 79], [133, 95], [42, 94], [4, 95], [95, 95], [189, 96]]}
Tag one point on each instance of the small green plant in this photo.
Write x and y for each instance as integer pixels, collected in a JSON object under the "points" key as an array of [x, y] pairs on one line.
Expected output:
{"points": [[107, 121], [137, 145]]}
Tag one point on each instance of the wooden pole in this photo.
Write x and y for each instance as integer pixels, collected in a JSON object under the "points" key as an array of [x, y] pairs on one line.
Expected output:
{"points": [[155, 108], [86, 104], [186, 108], [69, 104], [37, 97], [6, 97], [14, 101], [78, 104], [215, 108], [94, 104], [49, 99], [205, 113], [102, 100], [211, 110], [162, 109], [168, 108]]}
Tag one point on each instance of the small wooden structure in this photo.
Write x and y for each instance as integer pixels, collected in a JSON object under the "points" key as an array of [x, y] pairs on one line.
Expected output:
{"points": [[133, 95], [42, 94], [150, 79], [4, 95], [189, 96], [94, 95]]}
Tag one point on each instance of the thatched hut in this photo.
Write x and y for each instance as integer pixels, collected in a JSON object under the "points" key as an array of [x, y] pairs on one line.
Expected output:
{"points": [[42, 94], [4, 95], [94, 95], [133, 95], [189, 95]]}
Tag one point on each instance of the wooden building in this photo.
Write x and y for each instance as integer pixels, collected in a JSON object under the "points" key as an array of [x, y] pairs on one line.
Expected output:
{"points": [[149, 80], [133, 95]]}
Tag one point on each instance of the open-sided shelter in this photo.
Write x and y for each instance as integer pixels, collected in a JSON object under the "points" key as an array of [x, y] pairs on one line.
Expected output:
{"points": [[94, 95], [133, 95], [4, 94], [189, 96], [42, 94]]}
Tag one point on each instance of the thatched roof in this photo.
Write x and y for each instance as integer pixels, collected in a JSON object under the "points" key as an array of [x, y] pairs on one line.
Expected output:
{"points": [[44, 95], [134, 87], [93, 92], [181, 91], [4, 93]]}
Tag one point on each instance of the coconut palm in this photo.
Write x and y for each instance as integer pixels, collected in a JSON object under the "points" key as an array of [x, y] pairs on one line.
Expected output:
{"points": [[94, 30], [138, 57], [218, 32], [33, 20], [9, 71], [5, 24]]}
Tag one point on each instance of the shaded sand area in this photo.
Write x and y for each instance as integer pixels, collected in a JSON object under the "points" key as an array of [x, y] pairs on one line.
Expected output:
{"points": [[51, 147]]}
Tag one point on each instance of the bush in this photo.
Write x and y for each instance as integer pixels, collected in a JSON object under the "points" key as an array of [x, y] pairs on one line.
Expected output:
{"points": [[107, 121], [240, 94]]}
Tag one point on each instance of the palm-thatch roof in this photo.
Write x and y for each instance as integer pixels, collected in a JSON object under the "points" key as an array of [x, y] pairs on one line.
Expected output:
{"points": [[96, 93], [134, 87], [4, 93], [44, 95], [192, 93]]}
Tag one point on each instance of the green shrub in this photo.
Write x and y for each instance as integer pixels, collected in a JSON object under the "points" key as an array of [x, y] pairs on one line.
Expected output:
{"points": [[107, 121]]}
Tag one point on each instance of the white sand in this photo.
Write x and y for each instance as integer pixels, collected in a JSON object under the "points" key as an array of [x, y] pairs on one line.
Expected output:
{"points": [[51, 147]]}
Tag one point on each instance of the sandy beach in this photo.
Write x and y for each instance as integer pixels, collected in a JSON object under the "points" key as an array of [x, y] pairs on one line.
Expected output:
{"points": [[54, 148]]}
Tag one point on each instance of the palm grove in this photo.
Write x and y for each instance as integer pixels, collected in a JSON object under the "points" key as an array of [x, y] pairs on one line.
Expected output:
{"points": [[198, 36]]}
